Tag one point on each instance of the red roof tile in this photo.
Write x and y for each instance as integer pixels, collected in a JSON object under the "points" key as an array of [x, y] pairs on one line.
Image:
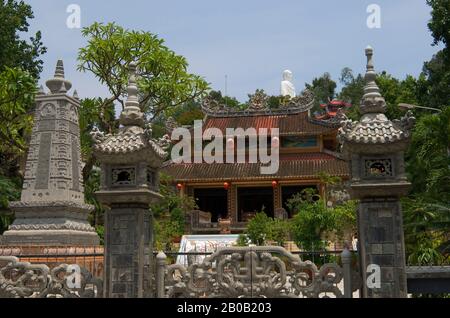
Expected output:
{"points": [[288, 124]]}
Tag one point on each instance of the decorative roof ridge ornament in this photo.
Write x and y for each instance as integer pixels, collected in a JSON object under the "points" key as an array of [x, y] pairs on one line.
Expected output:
{"points": [[58, 84], [211, 106], [336, 121], [258, 105], [301, 102], [132, 114], [372, 100], [258, 101]]}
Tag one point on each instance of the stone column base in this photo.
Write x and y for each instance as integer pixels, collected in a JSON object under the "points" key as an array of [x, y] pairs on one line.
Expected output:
{"points": [[50, 223], [49, 238]]}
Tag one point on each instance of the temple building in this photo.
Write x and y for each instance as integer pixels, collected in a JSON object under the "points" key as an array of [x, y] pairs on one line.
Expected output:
{"points": [[232, 193]]}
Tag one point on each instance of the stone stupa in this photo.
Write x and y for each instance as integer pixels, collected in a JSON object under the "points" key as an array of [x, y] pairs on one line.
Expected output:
{"points": [[52, 211]]}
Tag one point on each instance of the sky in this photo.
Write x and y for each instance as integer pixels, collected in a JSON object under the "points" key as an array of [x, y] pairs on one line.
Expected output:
{"points": [[250, 42]]}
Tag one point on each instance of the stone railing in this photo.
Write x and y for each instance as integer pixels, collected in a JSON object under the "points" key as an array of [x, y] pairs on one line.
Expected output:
{"points": [[26, 280], [266, 271]]}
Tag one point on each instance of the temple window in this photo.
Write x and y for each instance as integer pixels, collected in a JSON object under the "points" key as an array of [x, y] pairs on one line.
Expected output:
{"points": [[123, 176], [299, 142], [378, 168]]}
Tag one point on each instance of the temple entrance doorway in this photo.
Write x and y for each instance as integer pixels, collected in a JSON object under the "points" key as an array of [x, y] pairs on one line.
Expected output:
{"points": [[252, 200], [212, 200]]}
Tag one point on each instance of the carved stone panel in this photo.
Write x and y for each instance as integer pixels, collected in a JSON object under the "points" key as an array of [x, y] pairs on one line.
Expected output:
{"points": [[378, 168], [123, 176], [75, 165], [43, 168]]}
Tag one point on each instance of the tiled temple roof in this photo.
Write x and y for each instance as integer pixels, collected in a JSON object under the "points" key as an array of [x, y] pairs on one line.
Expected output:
{"points": [[292, 166], [288, 124], [128, 143], [376, 129]]}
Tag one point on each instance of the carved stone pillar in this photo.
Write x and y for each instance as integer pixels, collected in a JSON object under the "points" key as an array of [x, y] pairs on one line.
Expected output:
{"points": [[375, 147], [130, 162]]}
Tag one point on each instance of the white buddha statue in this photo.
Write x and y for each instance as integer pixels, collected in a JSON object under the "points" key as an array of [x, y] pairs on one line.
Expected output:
{"points": [[287, 88]]}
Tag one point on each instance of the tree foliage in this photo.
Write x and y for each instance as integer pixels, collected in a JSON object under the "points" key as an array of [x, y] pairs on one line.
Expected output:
{"points": [[163, 79], [19, 69], [169, 214], [324, 89], [312, 221], [434, 82], [428, 159], [439, 24], [9, 191], [17, 89], [258, 228], [15, 52], [426, 225]]}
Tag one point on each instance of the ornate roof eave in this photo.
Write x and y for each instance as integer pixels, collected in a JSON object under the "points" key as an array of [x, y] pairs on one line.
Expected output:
{"points": [[289, 170], [115, 147], [334, 122], [383, 134], [258, 106]]}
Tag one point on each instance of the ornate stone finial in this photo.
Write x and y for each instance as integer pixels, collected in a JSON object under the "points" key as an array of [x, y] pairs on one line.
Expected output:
{"points": [[132, 115], [58, 84], [372, 101], [41, 90], [75, 95], [59, 71], [63, 88]]}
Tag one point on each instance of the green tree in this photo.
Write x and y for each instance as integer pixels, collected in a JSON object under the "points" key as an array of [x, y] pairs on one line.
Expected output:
{"points": [[15, 52], [279, 231], [397, 91], [170, 213], [439, 24], [17, 89], [435, 78], [19, 69], [258, 228], [428, 158], [163, 79], [9, 191], [345, 217], [312, 220], [188, 113], [426, 226], [434, 82], [228, 101], [324, 89], [352, 91]]}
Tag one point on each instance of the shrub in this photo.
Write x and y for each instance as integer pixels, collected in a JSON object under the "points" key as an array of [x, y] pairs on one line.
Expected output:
{"points": [[310, 224], [258, 228], [279, 231]]}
